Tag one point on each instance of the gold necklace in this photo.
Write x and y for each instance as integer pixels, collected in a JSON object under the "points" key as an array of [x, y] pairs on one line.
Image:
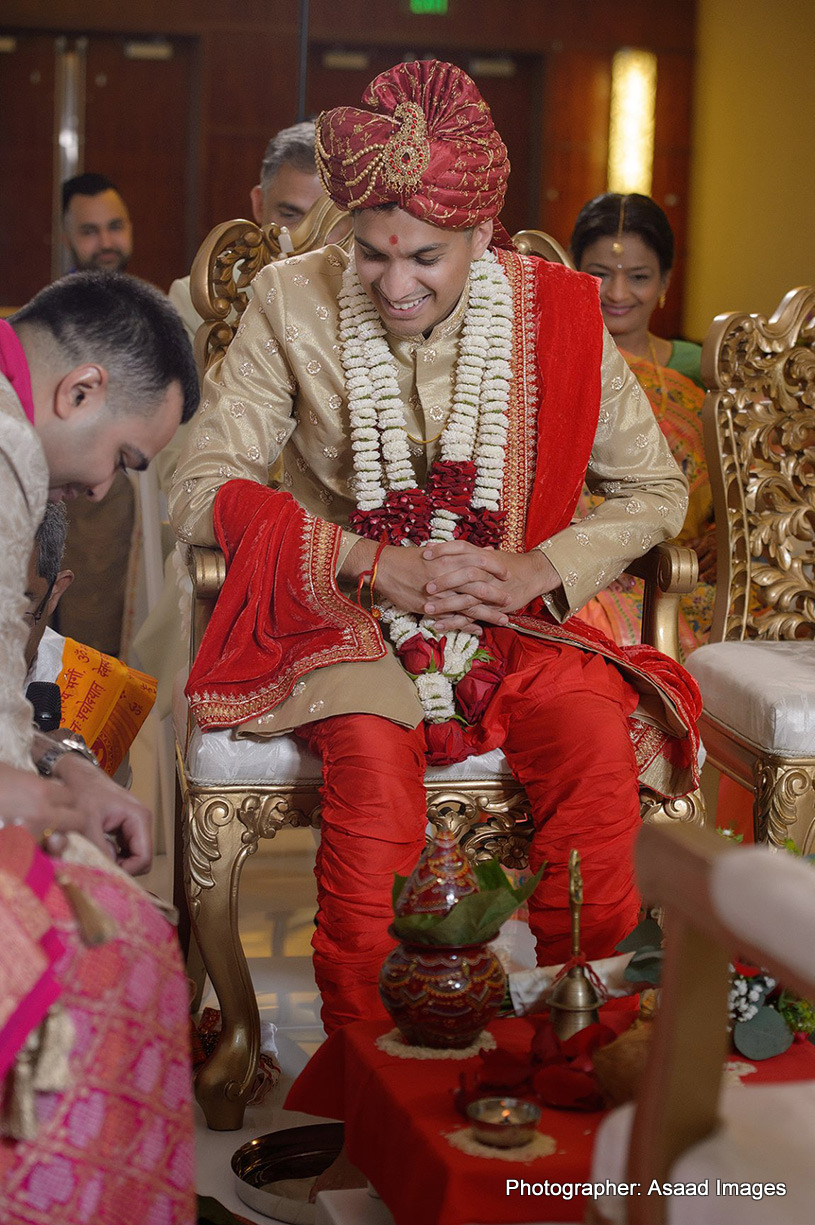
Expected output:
{"points": [[423, 442], [660, 374]]}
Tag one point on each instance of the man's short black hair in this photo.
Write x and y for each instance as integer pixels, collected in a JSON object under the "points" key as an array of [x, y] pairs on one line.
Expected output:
{"points": [[85, 185], [125, 325]]}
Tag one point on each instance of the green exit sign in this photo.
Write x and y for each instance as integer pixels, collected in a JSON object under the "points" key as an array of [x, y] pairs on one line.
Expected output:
{"points": [[428, 6]]}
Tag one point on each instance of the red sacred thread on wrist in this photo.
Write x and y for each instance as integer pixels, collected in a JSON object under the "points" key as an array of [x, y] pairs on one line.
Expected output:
{"points": [[370, 575]]}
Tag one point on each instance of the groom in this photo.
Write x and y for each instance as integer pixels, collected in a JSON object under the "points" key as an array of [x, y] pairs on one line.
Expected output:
{"points": [[437, 401]]}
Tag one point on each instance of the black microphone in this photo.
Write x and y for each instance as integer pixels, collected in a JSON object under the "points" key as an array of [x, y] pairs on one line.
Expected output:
{"points": [[46, 699]]}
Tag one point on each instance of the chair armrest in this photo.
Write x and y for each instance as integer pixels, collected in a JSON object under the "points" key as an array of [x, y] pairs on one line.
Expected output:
{"points": [[668, 571], [207, 568], [207, 571], [672, 567]]}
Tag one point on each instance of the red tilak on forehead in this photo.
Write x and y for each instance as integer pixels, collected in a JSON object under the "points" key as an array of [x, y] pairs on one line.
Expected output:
{"points": [[394, 240]]}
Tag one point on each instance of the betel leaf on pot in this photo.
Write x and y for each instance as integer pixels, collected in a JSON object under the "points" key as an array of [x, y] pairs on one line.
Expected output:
{"points": [[764, 1035], [647, 934], [399, 883], [645, 966], [474, 918], [490, 875]]}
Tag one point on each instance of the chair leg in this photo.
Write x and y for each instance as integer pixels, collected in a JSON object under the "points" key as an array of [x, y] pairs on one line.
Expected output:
{"points": [[214, 858], [196, 974], [179, 871], [658, 809], [784, 804]]}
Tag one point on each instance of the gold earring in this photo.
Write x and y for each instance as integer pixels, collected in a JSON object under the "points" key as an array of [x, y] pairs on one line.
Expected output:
{"points": [[662, 299]]}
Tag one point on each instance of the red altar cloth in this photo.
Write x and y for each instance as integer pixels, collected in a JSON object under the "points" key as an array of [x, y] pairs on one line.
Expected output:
{"points": [[397, 1112]]}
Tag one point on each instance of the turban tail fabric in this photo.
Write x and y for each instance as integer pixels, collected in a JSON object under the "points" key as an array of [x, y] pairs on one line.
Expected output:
{"points": [[426, 142]]}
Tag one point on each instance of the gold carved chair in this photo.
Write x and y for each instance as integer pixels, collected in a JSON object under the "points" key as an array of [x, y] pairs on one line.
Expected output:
{"points": [[237, 792], [757, 674], [234, 252], [721, 902], [535, 242]]}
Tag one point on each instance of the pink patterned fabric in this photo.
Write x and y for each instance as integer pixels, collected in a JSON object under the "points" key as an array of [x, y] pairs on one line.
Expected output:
{"points": [[117, 1148], [14, 366], [30, 945]]}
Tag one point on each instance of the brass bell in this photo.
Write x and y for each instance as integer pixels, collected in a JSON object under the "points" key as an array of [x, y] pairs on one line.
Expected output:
{"points": [[574, 1001]]}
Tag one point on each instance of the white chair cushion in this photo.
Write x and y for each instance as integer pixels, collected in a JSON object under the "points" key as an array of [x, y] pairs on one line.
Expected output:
{"points": [[767, 1139], [223, 757], [764, 691]]}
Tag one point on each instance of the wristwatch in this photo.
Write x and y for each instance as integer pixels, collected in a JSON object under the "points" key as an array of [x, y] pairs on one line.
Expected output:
{"points": [[67, 742]]}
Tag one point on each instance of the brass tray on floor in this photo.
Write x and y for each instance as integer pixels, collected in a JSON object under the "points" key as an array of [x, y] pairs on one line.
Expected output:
{"points": [[294, 1157]]}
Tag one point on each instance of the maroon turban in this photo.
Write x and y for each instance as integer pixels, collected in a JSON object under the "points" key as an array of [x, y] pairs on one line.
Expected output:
{"points": [[426, 142]]}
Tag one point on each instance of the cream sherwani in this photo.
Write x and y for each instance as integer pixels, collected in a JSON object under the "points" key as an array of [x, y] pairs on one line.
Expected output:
{"points": [[280, 392]]}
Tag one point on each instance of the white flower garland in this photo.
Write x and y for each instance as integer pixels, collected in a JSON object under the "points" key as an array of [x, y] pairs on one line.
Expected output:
{"points": [[475, 431]]}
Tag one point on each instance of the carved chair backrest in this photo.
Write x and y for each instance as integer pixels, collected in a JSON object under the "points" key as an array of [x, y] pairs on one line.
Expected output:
{"points": [[759, 422], [535, 242], [234, 252]]}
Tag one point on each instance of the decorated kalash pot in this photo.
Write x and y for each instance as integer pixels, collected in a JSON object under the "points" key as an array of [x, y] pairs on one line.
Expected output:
{"points": [[443, 984]]}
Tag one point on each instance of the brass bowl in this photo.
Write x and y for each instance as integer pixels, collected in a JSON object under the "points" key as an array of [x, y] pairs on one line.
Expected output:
{"points": [[293, 1153], [504, 1122]]}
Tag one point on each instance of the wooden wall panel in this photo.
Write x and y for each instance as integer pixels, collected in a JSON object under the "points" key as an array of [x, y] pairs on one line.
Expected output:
{"points": [[153, 16], [515, 103], [243, 86], [26, 152], [528, 26], [232, 171], [249, 92], [143, 147], [574, 136], [671, 184]]}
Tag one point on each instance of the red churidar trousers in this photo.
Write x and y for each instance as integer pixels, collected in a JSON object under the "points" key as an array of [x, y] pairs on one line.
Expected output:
{"points": [[561, 716]]}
